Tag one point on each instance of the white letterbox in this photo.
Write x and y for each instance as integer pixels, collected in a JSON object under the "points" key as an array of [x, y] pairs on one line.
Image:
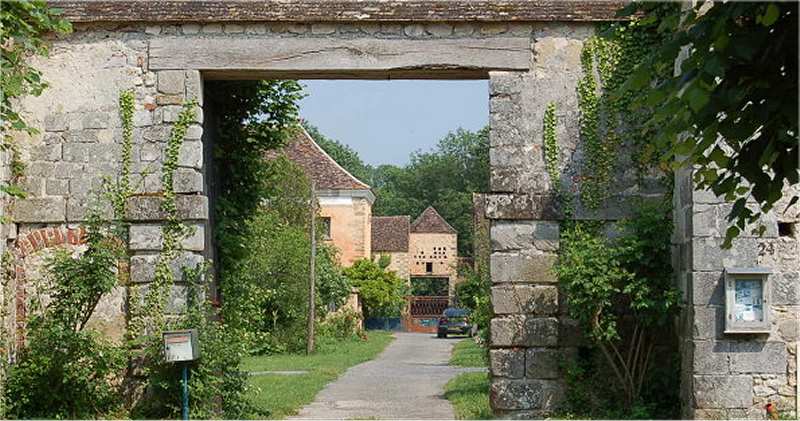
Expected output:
{"points": [[181, 345], [747, 300]]}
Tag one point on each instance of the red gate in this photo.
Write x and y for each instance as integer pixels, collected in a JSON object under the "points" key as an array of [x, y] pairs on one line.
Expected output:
{"points": [[423, 312]]}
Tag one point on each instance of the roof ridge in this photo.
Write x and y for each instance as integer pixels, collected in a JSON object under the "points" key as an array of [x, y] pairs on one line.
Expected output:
{"points": [[314, 142], [430, 210]]}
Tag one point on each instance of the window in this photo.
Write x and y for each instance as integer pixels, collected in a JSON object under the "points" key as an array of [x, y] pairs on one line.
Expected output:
{"points": [[429, 267], [325, 223]]}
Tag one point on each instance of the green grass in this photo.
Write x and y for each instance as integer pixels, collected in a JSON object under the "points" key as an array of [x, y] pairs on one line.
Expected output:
{"points": [[469, 394], [284, 395], [467, 353]]}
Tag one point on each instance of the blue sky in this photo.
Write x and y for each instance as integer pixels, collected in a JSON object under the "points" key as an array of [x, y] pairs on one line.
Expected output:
{"points": [[384, 121]]}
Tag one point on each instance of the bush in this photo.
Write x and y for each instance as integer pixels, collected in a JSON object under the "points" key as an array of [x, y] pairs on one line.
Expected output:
{"points": [[621, 293], [343, 324], [382, 292], [66, 371]]}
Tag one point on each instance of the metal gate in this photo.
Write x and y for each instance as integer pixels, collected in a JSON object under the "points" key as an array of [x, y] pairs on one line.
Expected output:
{"points": [[423, 312]]}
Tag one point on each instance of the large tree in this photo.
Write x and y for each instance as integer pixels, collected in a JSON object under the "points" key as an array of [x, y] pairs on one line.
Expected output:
{"points": [[731, 109]]}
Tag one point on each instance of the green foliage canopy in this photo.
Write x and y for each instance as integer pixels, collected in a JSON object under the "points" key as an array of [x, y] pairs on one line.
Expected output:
{"points": [[381, 290], [732, 109]]}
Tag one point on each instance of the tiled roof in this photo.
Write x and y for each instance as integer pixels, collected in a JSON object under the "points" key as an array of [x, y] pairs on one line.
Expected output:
{"points": [[318, 165], [390, 233], [429, 221]]}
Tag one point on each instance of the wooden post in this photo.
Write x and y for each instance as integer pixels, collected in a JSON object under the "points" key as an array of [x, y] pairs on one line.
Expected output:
{"points": [[312, 272]]}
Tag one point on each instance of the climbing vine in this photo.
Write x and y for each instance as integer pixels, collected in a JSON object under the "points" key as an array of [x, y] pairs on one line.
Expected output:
{"points": [[120, 193], [151, 309], [551, 144], [607, 60]]}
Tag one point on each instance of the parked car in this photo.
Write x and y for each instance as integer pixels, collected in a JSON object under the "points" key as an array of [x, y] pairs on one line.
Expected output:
{"points": [[454, 320]]}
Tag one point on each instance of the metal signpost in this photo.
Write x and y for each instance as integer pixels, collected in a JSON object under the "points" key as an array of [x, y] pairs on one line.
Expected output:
{"points": [[180, 346]]}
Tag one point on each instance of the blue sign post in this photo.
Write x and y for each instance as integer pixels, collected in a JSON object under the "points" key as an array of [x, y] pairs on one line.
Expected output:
{"points": [[185, 389]]}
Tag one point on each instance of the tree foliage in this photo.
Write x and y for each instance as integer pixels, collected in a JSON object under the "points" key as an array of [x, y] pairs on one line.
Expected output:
{"points": [[731, 109], [381, 290], [343, 155]]}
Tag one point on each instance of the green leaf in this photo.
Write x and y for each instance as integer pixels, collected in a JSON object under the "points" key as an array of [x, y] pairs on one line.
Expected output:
{"points": [[697, 97], [770, 15]]}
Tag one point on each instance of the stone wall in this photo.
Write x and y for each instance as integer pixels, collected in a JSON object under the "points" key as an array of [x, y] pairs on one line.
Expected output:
{"points": [[439, 250], [398, 262], [528, 64], [734, 375]]}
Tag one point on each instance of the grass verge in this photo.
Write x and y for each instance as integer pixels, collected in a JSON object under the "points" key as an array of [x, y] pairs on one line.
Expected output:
{"points": [[284, 395], [469, 394], [467, 353]]}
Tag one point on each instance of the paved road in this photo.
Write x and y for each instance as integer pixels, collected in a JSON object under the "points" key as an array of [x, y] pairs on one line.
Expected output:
{"points": [[405, 381]]}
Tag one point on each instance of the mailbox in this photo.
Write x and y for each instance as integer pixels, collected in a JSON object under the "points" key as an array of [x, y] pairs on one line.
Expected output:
{"points": [[747, 300], [181, 345]]}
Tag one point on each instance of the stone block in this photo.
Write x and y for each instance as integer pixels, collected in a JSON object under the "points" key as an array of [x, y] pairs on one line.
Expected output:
{"points": [[190, 28], [194, 83], [150, 152], [56, 187], [512, 235], [191, 154], [508, 363], [710, 357], [143, 266], [525, 394], [709, 322], [758, 357], [80, 136], [56, 122], [723, 392], [96, 120], [171, 81], [463, 29], [187, 180], [786, 288], [515, 299], [91, 152], [708, 255], [524, 331], [145, 237], [48, 153], [40, 210], [708, 288], [195, 240], [543, 363], [78, 208], [170, 113], [704, 221], [494, 28], [177, 300], [415, 30], [233, 28], [148, 208], [515, 267], [522, 206], [194, 132]]}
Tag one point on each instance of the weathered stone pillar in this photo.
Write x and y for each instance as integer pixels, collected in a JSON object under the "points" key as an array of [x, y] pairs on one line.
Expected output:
{"points": [[529, 333], [733, 375]]}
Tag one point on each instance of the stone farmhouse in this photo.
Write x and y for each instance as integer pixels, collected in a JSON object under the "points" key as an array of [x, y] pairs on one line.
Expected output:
{"points": [[426, 248]]}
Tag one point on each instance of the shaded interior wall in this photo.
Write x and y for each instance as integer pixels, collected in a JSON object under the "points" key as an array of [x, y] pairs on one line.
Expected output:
{"points": [[211, 185]]}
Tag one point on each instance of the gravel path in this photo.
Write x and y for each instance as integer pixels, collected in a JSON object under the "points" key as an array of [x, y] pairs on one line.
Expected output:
{"points": [[405, 381]]}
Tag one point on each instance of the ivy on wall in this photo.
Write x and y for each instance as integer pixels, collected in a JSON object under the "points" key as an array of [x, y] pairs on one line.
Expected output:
{"points": [[150, 312], [607, 60]]}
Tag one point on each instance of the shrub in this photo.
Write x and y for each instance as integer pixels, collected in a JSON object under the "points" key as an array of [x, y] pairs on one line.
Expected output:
{"points": [[474, 293], [621, 293], [65, 370], [343, 324], [382, 292]]}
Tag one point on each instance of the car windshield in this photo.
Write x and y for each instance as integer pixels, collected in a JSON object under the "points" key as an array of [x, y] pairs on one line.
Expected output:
{"points": [[455, 312]]}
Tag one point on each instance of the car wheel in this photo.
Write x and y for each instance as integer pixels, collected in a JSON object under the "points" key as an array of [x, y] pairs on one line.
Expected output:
{"points": [[444, 335]]}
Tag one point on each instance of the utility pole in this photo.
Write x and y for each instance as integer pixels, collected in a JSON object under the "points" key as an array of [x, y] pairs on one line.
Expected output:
{"points": [[312, 271]]}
